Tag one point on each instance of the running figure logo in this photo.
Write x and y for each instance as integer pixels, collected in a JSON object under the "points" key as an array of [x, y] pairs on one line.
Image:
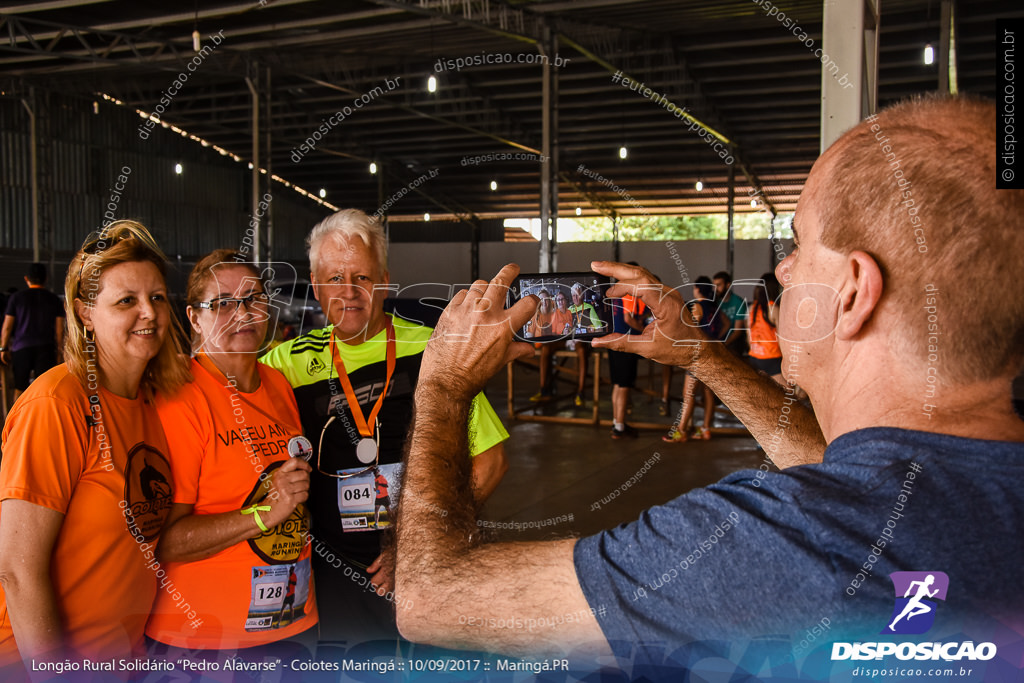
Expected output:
{"points": [[914, 612]]}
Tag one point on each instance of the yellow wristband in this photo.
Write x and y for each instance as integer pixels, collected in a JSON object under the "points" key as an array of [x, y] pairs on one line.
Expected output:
{"points": [[254, 511]]}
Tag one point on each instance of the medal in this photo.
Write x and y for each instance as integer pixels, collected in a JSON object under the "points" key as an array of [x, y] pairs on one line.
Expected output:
{"points": [[366, 450], [300, 447]]}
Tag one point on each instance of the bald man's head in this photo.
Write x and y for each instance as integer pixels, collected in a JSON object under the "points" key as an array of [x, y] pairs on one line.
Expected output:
{"points": [[914, 187]]}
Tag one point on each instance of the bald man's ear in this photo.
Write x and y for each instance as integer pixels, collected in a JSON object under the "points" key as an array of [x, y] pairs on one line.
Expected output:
{"points": [[859, 292]]}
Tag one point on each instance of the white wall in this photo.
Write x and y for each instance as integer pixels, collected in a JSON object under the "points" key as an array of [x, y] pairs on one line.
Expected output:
{"points": [[449, 262]]}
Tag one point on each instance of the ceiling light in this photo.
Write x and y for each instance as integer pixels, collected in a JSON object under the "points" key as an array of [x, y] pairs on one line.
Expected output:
{"points": [[699, 186], [579, 211], [177, 169], [95, 107], [426, 218], [494, 185], [753, 203], [195, 40], [323, 193], [373, 168], [623, 152], [431, 84], [929, 54]]}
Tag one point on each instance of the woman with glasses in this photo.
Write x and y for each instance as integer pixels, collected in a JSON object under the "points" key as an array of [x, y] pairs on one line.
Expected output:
{"points": [[85, 482], [237, 542]]}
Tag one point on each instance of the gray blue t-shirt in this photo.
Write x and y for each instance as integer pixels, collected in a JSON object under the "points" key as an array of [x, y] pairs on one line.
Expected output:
{"points": [[772, 554]]}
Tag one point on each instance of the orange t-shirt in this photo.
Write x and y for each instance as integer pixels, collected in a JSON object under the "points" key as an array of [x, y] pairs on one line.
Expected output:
{"points": [[764, 341], [559, 320], [104, 579], [221, 442]]}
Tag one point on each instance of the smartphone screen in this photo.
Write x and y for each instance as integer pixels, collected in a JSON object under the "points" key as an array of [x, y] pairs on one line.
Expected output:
{"points": [[572, 306]]}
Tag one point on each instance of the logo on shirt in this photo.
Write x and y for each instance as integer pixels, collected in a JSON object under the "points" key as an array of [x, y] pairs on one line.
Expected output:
{"points": [[315, 366], [147, 491], [914, 611], [284, 542]]}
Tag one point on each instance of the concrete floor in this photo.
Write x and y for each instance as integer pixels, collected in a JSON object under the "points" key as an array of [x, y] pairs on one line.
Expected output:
{"points": [[557, 470]]}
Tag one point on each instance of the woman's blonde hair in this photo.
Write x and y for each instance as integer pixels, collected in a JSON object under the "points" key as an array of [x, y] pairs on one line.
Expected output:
{"points": [[120, 242]]}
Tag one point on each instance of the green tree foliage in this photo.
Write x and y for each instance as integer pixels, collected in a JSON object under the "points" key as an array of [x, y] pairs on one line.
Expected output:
{"points": [[748, 226]]}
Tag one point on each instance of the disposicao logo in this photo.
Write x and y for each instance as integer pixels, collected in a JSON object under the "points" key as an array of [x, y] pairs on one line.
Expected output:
{"points": [[912, 614]]}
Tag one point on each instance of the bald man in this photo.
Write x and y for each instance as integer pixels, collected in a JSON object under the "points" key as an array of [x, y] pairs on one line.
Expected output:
{"points": [[913, 464]]}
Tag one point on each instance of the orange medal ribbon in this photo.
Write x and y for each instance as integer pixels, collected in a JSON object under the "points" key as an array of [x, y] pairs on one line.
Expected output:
{"points": [[362, 424]]}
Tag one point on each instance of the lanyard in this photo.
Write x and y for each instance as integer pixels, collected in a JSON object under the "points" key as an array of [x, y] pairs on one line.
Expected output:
{"points": [[212, 369], [362, 424]]}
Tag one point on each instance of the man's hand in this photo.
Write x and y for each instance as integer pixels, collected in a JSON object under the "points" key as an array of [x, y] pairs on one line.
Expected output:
{"points": [[673, 337], [382, 573], [474, 337], [5, 357]]}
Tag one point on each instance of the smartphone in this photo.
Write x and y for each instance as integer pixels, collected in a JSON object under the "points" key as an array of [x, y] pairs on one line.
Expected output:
{"points": [[572, 306]]}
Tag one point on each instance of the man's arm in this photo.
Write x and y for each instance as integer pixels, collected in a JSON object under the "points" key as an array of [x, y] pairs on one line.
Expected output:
{"points": [[516, 598], [5, 338], [785, 428]]}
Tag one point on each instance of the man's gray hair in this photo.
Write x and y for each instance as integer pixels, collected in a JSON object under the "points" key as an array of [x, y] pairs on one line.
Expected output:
{"points": [[344, 225]]}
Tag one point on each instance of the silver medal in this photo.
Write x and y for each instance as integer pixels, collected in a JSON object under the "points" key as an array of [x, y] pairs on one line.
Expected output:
{"points": [[366, 450]]}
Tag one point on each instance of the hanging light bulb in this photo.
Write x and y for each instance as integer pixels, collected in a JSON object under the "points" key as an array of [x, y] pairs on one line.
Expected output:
{"points": [[178, 169], [323, 193], [929, 54], [95, 107], [195, 41], [431, 84], [699, 186], [494, 185], [373, 168], [579, 211], [426, 218], [623, 152], [753, 203]]}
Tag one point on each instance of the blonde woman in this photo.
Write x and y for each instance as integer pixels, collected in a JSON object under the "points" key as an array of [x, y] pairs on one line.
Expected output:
{"points": [[85, 481]]}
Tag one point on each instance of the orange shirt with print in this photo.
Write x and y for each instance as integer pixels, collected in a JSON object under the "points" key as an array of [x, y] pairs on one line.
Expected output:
{"points": [[56, 455], [559, 320], [221, 443]]}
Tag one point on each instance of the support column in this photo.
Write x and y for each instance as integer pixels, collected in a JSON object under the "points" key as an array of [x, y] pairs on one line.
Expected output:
{"points": [[255, 106], [269, 182], [849, 70], [549, 149], [474, 251], [947, 49], [731, 241], [616, 256], [34, 164]]}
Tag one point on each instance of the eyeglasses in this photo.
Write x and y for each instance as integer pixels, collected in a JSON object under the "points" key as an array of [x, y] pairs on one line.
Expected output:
{"points": [[231, 304], [320, 449]]}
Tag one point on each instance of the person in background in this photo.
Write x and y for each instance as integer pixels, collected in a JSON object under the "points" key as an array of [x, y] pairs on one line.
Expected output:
{"points": [[762, 329], [735, 309], [627, 318], [32, 336], [85, 482], [715, 325], [238, 510], [561, 324], [541, 324]]}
